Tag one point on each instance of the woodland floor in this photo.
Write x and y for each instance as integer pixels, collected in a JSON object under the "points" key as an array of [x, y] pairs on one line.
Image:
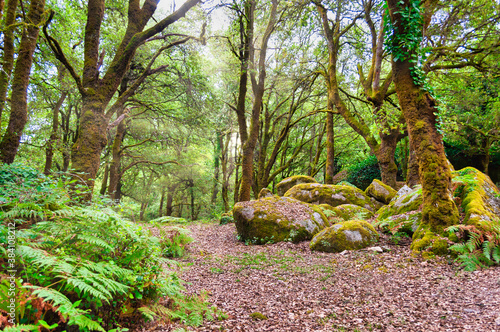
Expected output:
{"points": [[300, 290]]}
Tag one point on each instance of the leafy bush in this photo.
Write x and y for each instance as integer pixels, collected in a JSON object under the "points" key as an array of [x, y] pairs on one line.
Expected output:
{"points": [[364, 172], [480, 247]]}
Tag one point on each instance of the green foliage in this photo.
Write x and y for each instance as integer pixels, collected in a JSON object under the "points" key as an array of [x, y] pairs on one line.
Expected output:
{"points": [[364, 172], [173, 240], [89, 267], [480, 247], [168, 220]]}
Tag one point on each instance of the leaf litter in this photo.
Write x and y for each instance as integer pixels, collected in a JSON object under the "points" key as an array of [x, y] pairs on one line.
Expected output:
{"points": [[297, 289]]}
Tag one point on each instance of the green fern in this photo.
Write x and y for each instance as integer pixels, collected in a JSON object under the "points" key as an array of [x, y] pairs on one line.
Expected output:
{"points": [[481, 247]]}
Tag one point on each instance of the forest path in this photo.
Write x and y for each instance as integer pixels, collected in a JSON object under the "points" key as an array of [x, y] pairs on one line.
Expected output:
{"points": [[300, 290]]}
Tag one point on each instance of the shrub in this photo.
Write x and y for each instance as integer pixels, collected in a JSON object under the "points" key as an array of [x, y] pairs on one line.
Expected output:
{"points": [[364, 172]]}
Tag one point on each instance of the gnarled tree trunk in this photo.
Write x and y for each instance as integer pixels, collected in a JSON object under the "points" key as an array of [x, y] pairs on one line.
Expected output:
{"points": [[419, 110], [20, 80]]}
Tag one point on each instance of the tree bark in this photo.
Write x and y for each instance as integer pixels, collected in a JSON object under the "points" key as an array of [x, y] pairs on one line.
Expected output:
{"points": [[330, 148], [162, 200], [116, 152], [49, 152], [96, 92], [218, 148], [8, 52], [419, 110], [20, 80], [413, 173], [105, 178]]}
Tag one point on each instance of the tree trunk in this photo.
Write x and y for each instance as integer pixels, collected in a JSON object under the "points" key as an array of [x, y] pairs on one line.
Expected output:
{"points": [[8, 52], [218, 149], [413, 173], [19, 107], [115, 166], [96, 91], [86, 151], [49, 152], [330, 147], [104, 185], [162, 199], [170, 199], [419, 110], [385, 156]]}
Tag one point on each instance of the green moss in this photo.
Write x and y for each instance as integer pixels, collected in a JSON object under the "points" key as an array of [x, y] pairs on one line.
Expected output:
{"points": [[477, 193], [349, 235], [402, 204], [380, 191], [258, 316], [334, 195], [276, 219], [351, 211], [427, 241], [284, 185]]}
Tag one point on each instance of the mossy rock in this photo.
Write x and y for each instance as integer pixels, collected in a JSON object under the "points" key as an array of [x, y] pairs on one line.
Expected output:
{"points": [[331, 215], [479, 196], [351, 212], [265, 193], [405, 201], [224, 220], [406, 223], [428, 242], [276, 219], [289, 182], [340, 176], [334, 195], [349, 235], [345, 183], [380, 191]]}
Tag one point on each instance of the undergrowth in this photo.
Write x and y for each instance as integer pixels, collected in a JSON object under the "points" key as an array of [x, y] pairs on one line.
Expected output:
{"points": [[84, 266], [480, 247]]}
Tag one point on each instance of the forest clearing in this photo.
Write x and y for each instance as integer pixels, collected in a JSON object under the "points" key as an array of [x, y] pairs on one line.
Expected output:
{"points": [[249, 165]]}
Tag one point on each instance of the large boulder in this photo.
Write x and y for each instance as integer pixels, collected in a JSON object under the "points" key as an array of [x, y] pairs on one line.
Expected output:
{"points": [[275, 219], [264, 192], [351, 211], [287, 183], [406, 200], [406, 223], [479, 196], [380, 191], [349, 235], [333, 195]]}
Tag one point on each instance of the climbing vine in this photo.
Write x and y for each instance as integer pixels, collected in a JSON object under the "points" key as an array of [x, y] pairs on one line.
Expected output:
{"points": [[406, 44]]}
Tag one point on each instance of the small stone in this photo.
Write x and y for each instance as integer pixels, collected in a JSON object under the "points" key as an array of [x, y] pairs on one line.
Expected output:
{"points": [[375, 249], [497, 321], [470, 311], [424, 263], [386, 248]]}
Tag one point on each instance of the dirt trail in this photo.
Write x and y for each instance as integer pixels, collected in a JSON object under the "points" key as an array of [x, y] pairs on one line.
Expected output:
{"points": [[300, 290]]}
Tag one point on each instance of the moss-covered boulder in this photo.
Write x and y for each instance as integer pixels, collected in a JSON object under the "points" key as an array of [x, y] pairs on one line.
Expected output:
{"points": [[380, 191], [349, 235], [406, 223], [351, 212], [406, 200], [329, 212], [275, 219], [333, 195], [479, 196], [289, 182], [264, 192], [226, 218]]}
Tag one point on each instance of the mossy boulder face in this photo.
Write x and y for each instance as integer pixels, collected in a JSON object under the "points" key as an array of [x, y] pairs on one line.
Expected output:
{"points": [[351, 212], [226, 218], [276, 219], [406, 200], [479, 196], [329, 212], [349, 235], [407, 223], [289, 182], [334, 195], [264, 192], [380, 191]]}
